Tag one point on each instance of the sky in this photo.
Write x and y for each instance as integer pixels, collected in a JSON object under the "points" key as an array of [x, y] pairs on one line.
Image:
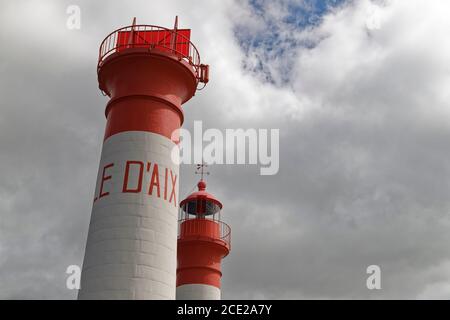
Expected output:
{"points": [[359, 90]]}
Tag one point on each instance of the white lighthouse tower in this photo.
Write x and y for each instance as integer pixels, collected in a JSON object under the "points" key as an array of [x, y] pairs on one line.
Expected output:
{"points": [[148, 72]]}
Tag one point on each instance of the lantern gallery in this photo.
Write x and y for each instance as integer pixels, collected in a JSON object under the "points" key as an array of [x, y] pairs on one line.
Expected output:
{"points": [[137, 177]]}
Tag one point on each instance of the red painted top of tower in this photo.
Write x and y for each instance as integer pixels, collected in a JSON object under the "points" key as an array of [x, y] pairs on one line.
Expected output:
{"points": [[200, 220], [201, 201], [155, 39], [148, 72]]}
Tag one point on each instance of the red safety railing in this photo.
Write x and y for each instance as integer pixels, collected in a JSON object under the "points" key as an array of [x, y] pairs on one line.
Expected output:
{"points": [[197, 226], [154, 38]]}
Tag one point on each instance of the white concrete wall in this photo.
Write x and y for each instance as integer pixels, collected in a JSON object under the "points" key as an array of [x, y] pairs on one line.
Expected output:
{"points": [[198, 292], [132, 240]]}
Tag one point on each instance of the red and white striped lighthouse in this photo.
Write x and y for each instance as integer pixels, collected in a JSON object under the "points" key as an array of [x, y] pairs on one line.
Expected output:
{"points": [[203, 241], [148, 72]]}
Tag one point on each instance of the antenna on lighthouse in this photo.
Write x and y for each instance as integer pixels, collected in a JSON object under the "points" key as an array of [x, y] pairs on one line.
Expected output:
{"points": [[201, 170], [131, 38], [175, 26], [173, 40]]}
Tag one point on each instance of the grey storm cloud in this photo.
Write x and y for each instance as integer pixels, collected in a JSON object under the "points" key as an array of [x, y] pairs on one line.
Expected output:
{"points": [[364, 128]]}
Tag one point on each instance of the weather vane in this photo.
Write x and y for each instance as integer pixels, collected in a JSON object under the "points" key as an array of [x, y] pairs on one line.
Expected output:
{"points": [[201, 170]]}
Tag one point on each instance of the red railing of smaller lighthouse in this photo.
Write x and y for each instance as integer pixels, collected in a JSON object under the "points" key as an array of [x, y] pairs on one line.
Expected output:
{"points": [[197, 226]]}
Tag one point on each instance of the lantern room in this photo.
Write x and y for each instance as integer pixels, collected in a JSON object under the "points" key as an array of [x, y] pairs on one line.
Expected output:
{"points": [[200, 217]]}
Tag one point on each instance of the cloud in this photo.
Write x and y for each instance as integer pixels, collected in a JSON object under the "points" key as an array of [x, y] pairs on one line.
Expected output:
{"points": [[363, 172], [361, 100]]}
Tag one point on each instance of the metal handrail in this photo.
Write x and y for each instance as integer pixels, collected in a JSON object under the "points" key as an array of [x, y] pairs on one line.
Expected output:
{"points": [[110, 44], [224, 229]]}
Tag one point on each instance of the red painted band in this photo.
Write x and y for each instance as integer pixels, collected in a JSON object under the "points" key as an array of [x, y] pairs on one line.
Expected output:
{"points": [[199, 261], [142, 113], [146, 89], [199, 275]]}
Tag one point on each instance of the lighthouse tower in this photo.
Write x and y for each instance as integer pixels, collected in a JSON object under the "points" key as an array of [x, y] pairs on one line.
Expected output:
{"points": [[203, 240], [148, 72]]}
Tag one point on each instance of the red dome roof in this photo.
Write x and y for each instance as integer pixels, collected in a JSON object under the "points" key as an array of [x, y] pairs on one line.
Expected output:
{"points": [[202, 195]]}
